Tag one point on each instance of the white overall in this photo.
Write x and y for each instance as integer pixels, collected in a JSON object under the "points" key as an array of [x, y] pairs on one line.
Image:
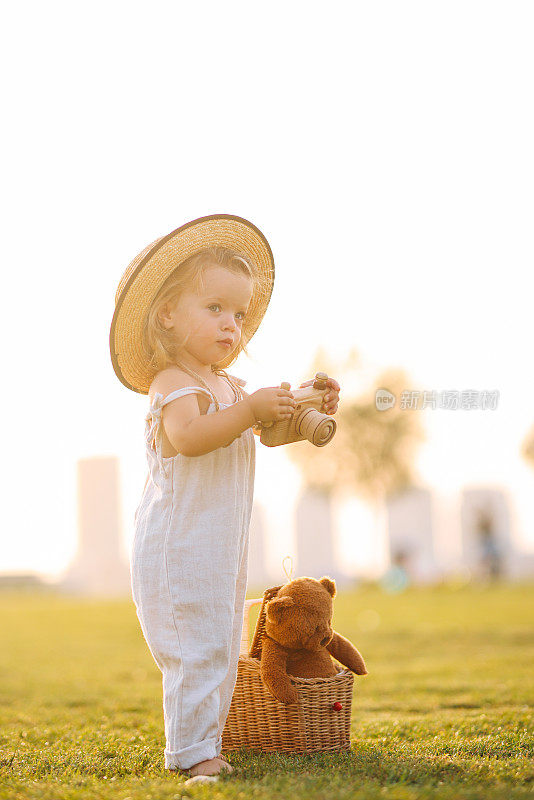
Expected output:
{"points": [[189, 579]]}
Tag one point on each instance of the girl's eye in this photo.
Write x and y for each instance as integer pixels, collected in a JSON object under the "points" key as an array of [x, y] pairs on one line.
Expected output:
{"points": [[217, 307]]}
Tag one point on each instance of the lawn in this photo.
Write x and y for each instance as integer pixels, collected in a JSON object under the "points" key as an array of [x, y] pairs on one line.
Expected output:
{"points": [[445, 711]]}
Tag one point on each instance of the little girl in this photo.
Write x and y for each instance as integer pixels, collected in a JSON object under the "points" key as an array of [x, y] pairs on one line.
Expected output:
{"points": [[185, 308]]}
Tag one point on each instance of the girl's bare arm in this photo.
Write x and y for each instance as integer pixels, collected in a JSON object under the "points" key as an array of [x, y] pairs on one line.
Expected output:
{"points": [[194, 434], [255, 430]]}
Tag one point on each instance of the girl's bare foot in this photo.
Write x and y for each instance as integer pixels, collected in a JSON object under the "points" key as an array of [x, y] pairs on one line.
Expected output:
{"points": [[211, 766], [225, 764]]}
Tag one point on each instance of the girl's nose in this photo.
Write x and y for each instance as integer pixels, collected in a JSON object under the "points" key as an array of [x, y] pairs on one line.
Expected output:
{"points": [[229, 324]]}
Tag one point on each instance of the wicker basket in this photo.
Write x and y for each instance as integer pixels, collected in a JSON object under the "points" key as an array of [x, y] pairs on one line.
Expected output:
{"points": [[257, 721]]}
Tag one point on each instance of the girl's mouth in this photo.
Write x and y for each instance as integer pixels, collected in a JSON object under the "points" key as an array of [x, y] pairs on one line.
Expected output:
{"points": [[225, 344]]}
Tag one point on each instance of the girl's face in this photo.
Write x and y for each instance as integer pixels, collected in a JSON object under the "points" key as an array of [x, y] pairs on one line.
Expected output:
{"points": [[211, 322]]}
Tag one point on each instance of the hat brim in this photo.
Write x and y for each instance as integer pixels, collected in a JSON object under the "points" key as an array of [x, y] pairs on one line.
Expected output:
{"points": [[148, 271]]}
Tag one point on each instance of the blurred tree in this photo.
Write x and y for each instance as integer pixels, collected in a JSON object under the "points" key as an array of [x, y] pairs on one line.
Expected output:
{"points": [[372, 451], [527, 447]]}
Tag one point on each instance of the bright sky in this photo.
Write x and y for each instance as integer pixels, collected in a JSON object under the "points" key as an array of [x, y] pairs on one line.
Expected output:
{"points": [[385, 150]]}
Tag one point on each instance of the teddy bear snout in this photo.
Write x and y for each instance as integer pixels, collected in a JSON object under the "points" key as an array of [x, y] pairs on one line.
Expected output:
{"points": [[325, 636]]}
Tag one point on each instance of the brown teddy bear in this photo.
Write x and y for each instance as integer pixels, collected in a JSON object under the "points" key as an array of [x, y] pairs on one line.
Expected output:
{"points": [[299, 640]]}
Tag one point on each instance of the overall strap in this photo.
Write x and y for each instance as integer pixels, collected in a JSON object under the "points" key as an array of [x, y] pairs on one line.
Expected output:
{"points": [[186, 390], [154, 418]]}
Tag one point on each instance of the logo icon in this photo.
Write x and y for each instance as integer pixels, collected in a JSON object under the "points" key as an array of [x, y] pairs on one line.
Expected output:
{"points": [[384, 399]]}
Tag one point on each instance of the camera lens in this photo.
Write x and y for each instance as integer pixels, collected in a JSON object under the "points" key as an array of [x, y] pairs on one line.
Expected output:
{"points": [[316, 427]]}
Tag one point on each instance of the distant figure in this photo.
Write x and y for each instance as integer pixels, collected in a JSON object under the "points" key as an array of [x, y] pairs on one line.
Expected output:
{"points": [[488, 550], [490, 556], [397, 577]]}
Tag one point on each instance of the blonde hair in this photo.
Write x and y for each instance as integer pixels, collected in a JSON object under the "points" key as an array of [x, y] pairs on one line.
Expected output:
{"points": [[160, 343]]}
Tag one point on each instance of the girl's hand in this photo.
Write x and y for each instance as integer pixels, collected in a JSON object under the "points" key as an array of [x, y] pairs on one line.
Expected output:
{"points": [[272, 404], [331, 398]]}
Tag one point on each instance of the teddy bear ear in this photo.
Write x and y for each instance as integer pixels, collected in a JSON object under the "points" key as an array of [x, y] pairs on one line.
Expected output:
{"points": [[276, 607], [329, 585]]}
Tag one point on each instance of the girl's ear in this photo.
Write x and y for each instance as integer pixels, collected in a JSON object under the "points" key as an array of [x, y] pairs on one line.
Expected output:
{"points": [[163, 315]]}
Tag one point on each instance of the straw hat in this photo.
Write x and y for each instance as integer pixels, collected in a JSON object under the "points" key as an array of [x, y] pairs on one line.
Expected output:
{"points": [[149, 270]]}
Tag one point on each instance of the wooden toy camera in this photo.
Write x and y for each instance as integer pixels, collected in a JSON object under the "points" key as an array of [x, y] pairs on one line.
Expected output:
{"points": [[306, 422]]}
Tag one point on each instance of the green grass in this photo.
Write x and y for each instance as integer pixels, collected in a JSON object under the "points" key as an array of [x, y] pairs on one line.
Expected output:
{"points": [[444, 712]]}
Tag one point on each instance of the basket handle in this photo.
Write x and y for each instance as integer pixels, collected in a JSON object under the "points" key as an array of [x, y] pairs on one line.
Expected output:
{"points": [[244, 648]]}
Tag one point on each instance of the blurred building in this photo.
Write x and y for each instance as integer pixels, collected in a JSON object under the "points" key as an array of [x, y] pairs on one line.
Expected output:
{"points": [[411, 534], [423, 533], [315, 536], [432, 535], [486, 538], [100, 566], [488, 550], [258, 574]]}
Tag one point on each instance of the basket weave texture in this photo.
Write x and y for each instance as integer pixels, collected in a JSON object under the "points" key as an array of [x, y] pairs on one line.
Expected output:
{"points": [[257, 721]]}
